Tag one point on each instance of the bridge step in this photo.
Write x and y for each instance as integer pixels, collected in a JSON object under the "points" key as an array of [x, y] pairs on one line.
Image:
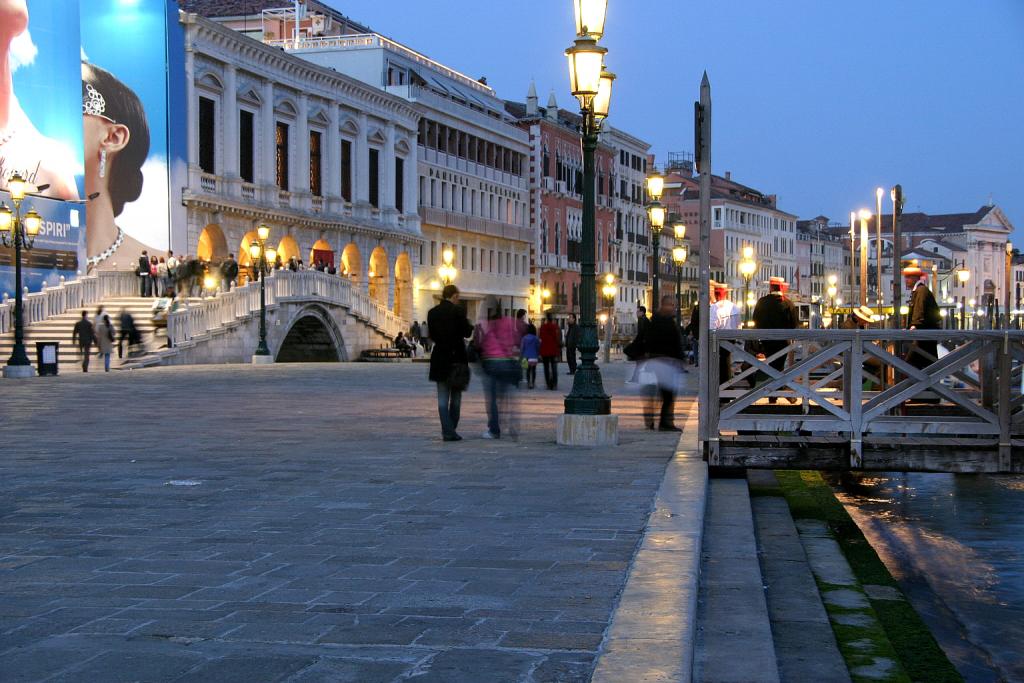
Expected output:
{"points": [[734, 636]]}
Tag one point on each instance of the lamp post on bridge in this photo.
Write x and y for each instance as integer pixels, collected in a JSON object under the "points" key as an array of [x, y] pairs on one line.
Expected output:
{"points": [[19, 231], [261, 259]]}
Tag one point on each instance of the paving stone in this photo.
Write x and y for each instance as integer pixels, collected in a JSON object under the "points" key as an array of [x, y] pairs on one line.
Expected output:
{"points": [[129, 667], [845, 598], [307, 528], [336, 670]]}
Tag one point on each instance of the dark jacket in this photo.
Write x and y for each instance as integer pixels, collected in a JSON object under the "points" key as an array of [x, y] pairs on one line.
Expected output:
{"points": [[229, 268], [143, 265], [662, 338], [924, 310], [572, 336], [693, 329], [775, 312], [84, 334], [448, 328]]}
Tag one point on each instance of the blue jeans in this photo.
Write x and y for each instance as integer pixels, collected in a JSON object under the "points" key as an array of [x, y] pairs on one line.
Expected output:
{"points": [[449, 408], [499, 376]]}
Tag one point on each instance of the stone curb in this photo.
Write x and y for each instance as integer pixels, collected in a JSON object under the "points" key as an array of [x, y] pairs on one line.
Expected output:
{"points": [[653, 630]]}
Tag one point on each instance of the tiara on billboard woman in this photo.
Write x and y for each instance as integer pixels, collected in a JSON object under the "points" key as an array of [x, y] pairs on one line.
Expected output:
{"points": [[93, 103]]}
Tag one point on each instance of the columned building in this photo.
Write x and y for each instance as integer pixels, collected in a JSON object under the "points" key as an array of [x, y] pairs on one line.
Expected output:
{"points": [[324, 160], [556, 185], [471, 169], [464, 181]]}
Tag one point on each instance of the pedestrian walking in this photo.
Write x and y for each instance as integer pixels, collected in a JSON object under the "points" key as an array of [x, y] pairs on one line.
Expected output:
{"points": [[449, 365], [529, 351], [172, 268], [572, 342], [129, 332], [924, 315], [550, 350], [228, 273], [663, 345], [105, 341], [774, 311], [145, 283], [84, 335], [499, 352]]}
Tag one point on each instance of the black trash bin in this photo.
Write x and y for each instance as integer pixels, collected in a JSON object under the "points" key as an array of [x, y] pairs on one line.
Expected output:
{"points": [[47, 354]]}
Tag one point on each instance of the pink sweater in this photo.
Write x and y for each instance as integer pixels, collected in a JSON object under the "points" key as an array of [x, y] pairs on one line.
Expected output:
{"points": [[500, 339]]}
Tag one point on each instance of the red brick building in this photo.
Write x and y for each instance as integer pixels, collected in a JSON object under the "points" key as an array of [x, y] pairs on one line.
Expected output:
{"points": [[556, 205]]}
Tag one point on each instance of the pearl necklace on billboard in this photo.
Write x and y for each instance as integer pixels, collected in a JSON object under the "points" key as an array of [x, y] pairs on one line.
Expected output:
{"points": [[94, 261]]}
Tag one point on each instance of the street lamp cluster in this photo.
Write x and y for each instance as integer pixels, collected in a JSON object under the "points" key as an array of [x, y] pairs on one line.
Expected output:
{"points": [[447, 271], [19, 231], [591, 85]]}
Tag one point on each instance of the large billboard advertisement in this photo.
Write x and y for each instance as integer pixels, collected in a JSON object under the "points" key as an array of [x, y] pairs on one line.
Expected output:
{"points": [[41, 133], [132, 67]]}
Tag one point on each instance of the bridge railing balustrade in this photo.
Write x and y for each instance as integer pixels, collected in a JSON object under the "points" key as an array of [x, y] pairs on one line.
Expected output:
{"points": [[873, 399]]}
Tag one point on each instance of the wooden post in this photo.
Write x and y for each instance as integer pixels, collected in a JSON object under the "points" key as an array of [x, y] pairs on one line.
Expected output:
{"points": [[854, 390], [702, 148], [1005, 384], [713, 405]]}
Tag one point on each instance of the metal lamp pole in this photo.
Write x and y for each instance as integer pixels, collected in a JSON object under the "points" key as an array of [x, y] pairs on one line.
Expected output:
{"points": [[21, 231], [258, 252], [591, 84], [609, 290], [679, 256]]}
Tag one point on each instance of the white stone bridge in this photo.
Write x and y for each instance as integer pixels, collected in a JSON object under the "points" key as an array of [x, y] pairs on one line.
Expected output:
{"points": [[311, 316]]}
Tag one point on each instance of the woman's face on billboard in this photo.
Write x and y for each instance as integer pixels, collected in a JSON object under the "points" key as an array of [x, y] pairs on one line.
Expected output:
{"points": [[13, 17]]}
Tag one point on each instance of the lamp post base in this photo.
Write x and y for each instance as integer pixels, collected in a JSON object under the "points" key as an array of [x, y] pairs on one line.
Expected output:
{"points": [[262, 360], [19, 371], [587, 430]]}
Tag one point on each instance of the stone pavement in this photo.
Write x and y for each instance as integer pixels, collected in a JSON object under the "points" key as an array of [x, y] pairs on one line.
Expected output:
{"points": [[306, 523]]}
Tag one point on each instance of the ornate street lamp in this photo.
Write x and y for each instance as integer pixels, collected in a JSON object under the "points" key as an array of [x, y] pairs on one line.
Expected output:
{"points": [[748, 266], [590, 17], [679, 256], [261, 259], [591, 85], [20, 231], [609, 291], [656, 215], [447, 271]]}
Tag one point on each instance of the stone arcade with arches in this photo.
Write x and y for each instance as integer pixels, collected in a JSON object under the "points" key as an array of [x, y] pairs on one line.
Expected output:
{"points": [[327, 162]]}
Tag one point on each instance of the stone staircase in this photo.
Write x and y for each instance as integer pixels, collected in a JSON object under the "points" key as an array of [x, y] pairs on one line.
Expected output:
{"points": [[59, 328]]}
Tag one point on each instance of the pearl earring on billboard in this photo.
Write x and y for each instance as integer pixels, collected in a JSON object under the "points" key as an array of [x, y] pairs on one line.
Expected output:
{"points": [[103, 163]]}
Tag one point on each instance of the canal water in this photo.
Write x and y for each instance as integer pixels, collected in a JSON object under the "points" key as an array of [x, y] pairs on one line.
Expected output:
{"points": [[956, 545]]}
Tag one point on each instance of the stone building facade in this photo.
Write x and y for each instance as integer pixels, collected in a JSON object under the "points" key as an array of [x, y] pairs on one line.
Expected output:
{"points": [[324, 160]]}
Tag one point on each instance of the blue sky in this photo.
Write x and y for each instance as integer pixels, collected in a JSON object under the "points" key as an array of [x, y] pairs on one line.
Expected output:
{"points": [[817, 102]]}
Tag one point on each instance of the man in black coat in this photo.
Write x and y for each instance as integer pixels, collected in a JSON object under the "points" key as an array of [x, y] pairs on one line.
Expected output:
{"points": [[663, 344], [145, 281], [774, 311], [572, 342], [924, 315], [448, 329], [228, 273], [84, 335]]}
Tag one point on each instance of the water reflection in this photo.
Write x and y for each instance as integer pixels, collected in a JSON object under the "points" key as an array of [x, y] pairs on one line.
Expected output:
{"points": [[956, 544]]}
